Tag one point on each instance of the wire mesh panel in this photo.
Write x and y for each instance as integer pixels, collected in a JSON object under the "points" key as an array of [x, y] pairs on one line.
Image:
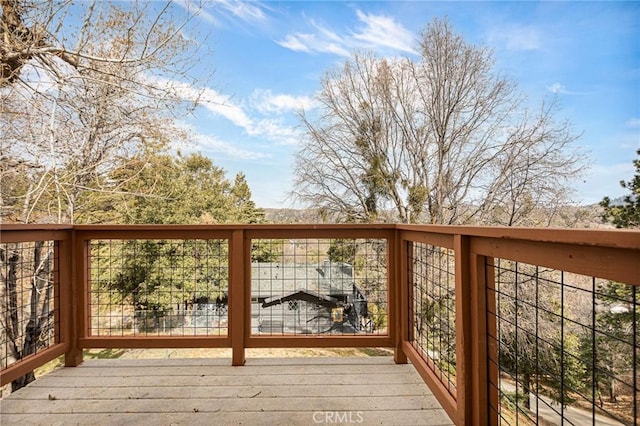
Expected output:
{"points": [[159, 287], [29, 304], [432, 322], [567, 347], [319, 286]]}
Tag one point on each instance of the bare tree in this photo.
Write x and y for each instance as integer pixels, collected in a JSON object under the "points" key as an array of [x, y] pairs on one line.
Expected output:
{"points": [[72, 114], [442, 140], [49, 34], [78, 99]]}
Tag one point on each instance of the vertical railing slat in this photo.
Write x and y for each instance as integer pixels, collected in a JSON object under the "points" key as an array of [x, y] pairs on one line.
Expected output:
{"points": [[480, 361], [397, 273], [64, 290], [237, 289], [407, 254], [491, 329], [60, 285], [77, 309], [464, 326]]}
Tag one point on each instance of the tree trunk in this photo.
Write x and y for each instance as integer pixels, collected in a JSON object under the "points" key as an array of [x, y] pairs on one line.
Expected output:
{"points": [[526, 389], [612, 391], [11, 289], [38, 311], [23, 381]]}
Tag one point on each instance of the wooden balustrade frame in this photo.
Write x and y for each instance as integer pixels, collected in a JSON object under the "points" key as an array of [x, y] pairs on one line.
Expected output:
{"points": [[607, 254], [61, 236]]}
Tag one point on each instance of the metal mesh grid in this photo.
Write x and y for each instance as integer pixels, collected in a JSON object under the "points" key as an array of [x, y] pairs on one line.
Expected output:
{"points": [[29, 306], [159, 287], [567, 347], [319, 286], [432, 322]]}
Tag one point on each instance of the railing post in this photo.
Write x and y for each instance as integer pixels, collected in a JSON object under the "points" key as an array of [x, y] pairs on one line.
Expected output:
{"points": [[480, 281], [488, 357], [238, 259], [79, 258], [464, 340], [475, 367], [400, 294]]}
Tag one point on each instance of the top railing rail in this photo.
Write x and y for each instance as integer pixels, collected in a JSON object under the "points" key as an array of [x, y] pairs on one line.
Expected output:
{"points": [[420, 266], [614, 238]]}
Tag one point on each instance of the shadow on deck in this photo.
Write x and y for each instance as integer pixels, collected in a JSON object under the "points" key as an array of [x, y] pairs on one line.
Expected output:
{"points": [[292, 391]]}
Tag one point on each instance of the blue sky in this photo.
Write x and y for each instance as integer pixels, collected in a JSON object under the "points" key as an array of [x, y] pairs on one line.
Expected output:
{"points": [[269, 57]]}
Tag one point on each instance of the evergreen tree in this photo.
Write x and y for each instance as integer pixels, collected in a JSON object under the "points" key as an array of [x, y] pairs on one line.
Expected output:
{"points": [[187, 189], [156, 276], [619, 307], [244, 208]]}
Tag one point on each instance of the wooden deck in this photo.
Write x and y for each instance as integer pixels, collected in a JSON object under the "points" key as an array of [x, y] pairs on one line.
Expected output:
{"points": [[266, 391]]}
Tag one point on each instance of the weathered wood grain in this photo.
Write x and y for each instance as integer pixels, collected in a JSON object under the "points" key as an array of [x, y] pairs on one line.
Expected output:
{"points": [[292, 391]]}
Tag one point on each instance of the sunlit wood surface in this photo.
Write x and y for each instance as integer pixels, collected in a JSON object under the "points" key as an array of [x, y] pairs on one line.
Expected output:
{"points": [[291, 391]]}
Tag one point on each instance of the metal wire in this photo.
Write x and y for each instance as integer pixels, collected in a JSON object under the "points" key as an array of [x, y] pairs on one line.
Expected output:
{"points": [[30, 305], [180, 287], [319, 286], [158, 287], [566, 344], [433, 320]]}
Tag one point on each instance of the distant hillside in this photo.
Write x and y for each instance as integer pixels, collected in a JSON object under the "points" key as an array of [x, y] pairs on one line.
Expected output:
{"points": [[619, 201], [569, 216], [292, 216]]}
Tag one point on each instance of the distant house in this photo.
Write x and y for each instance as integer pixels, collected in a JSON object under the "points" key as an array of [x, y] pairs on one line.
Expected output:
{"points": [[306, 299], [289, 298]]}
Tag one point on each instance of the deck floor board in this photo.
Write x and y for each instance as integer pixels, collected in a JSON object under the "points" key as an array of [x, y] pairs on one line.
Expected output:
{"points": [[293, 391]]}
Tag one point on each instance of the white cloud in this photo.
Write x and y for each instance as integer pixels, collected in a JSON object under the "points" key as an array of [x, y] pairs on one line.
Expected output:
{"points": [[276, 130], [381, 30], [222, 105], [268, 103], [273, 128], [296, 42], [633, 122], [323, 41], [559, 88], [556, 88], [251, 119], [211, 143], [197, 141], [243, 10], [378, 32], [212, 100], [516, 37]]}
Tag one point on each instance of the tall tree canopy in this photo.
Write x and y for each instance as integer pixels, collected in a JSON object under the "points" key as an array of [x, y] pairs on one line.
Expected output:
{"points": [[182, 189], [48, 35], [80, 97], [441, 139]]}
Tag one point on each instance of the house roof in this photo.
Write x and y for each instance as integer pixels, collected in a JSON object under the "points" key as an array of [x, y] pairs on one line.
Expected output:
{"points": [[273, 280], [305, 295]]}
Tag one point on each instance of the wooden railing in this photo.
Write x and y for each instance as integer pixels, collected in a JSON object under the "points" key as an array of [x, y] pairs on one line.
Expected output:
{"points": [[449, 299], [482, 326]]}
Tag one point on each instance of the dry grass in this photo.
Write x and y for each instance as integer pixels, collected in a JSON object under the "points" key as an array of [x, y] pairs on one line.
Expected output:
{"points": [[217, 353], [250, 353]]}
